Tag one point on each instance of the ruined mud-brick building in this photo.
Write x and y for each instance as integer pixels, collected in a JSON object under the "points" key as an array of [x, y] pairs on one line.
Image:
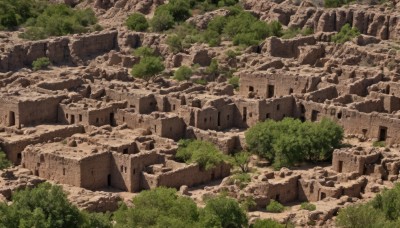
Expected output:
{"points": [[88, 123]]}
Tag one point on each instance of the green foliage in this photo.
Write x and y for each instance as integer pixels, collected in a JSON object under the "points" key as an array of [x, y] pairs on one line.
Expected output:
{"points": [[205, 154], [275, 207], [248, 203], [4, 162], [160, 207], [234, 81], [346, 33], [59, 20], [336, 3], [242, 160], [240, 179], [293, 32], [267, 223], [308, 206], [174, 43], [45, 206], [41, 63], [183, 73], [382, 211], [224, 212], [213, 68], [148, 67], [231, 53], [15, 13], [144, 52], [137, 22], [378, 144], [290, 141], [162, 21], [201, 82]]}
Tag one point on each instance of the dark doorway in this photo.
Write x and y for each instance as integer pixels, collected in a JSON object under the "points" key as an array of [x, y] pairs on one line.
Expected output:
{"points": [[271, 91], [340, 168], [244, 114], [323, 196], [109, 180], [11, 119], [290, 91], [72, 119], [277, 198], [112, 119], [219, 119], [382, 133], [251, 89], [314, 115], [125, 151]]}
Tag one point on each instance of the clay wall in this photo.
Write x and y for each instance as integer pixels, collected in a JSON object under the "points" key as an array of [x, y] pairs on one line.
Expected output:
{"points": [[141, 103], [9, 113], [288, 48], [33, 112], [13, 149]]}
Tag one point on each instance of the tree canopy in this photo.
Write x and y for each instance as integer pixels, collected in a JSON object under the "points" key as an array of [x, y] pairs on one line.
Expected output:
{"points": [[201, 152], [345, 34], [137, 22], [162, 207], [291, 141], [46, 206], [149, 66]]}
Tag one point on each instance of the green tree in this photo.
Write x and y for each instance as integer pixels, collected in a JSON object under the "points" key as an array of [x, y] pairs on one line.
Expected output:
{"points": [[148, 67], [160, 207], [45, 206], [4, 162], [205, 154], [183, 73], [137, 22], [290, 141], [222, 211], [361, 216], [345, 34], [162, 21], [242, 160]]}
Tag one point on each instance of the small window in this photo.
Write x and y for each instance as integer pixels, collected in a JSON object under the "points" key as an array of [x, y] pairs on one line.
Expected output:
{"points": [[227, 117], [251, 89], [97, 120], [267, 116], [278, 107], [134, 171], [66, 115], [125, 151], [64, 171], [339, 115], [80, 118], [122, 168], [173, 107], [205, 120]]}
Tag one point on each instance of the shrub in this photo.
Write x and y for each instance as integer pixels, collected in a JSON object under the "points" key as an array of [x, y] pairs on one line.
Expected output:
{"points": [[222, 211], [248, 203], [205, 154], [240, 179], [144, 52], [242, 160], [41, 63], [379, 144], [59, 20], [346, 33], [201, 82], [290, 141], [137, 22], [148, 67], [46, 206], [162, 21], [231, 54], [275, 207], [234, 81], [183, 73], [174, 43], [4, 162], [267, 223], [361, 216], [308, 206], [213, 68]]}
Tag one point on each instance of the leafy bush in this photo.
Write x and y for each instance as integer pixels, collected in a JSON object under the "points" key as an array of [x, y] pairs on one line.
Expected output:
{"points": [[144, 52], [379, 144], [162, 21], [137, 22], [46, 206], [174, 43], [290, 141], [346, 33], [205, 154], [267, 223], [41, 63], [234, 81], [242, 160], [213, 68], [148, 67], [248, 203], [222, 211], [308, 206], [275, 207], [183, 73], [240, 179], [15, 13], [59, 20], [293, 32], [4, 162], [201, 82], [336, 3], [231, 53]]}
